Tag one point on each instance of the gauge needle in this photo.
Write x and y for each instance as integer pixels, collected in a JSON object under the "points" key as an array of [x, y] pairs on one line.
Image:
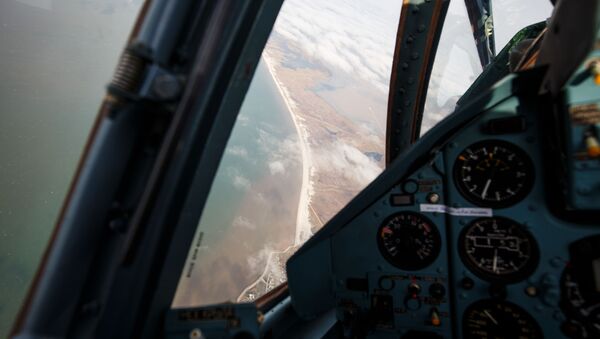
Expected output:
{"points": [[495, 261], [485, 189], [490, 316]]}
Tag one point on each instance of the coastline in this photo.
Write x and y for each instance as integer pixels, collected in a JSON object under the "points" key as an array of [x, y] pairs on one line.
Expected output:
{"points": [[303, 225], [274, 265]]}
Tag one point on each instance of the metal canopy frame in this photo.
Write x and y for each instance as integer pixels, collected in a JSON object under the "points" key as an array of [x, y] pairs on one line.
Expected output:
{"points": [[419, 30], [118, 248]]}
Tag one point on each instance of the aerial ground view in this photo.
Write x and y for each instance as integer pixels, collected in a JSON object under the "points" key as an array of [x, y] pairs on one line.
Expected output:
{"points": [[329, 108], [310, 136]]}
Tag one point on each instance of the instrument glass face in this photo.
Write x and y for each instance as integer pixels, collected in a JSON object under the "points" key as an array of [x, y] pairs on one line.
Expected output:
{"points": [[493, 173], [409, 241], [499, 319], [498, 249]]}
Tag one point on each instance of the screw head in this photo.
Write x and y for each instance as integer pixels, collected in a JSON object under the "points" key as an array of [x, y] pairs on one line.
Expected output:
{"points": [[166, 87]]}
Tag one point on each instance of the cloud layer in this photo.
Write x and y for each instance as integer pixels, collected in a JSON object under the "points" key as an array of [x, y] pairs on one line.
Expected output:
{"points": [[352, 36]]}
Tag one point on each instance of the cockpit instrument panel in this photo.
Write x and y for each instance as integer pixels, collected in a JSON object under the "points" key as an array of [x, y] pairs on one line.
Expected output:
{"points": [[464, 245]]}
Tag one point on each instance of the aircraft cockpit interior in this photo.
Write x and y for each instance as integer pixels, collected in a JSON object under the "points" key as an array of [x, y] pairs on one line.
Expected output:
{"points": [[487, 225]]}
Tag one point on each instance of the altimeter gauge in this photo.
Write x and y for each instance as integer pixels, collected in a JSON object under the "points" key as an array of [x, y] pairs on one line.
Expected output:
{"points": [[493, 173], [498, 250], [409, 240]]}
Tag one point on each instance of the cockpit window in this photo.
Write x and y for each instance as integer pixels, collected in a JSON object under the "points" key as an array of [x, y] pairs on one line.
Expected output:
{"points": [[513, 15], [310, 135], [457, 64], [56, 57], [455, 68]]}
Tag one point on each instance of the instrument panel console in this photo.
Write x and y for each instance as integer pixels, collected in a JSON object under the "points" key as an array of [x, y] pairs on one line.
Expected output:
{"points": [[466, 245]]}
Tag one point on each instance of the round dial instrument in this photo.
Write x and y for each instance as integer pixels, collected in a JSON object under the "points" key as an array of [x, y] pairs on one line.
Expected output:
{"points": [[580, 297], [498, 249], [493, 173], [494, 319], [409, 240]]}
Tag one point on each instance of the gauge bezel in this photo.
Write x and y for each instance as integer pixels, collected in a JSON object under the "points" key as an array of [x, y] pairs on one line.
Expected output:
{"points": [[409, 265], [511, 278], [493, 303], [476, 200]]}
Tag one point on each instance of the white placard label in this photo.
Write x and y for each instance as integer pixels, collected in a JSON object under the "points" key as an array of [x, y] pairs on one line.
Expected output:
{"points": [[461, 211]]}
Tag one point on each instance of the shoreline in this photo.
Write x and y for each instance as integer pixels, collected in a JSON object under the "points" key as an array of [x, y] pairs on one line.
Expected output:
{"points": [[303, 225], [303, 229]]}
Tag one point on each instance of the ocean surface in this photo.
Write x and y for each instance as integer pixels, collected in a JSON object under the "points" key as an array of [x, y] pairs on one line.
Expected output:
{"points": [[253, 202], [55, 60]]}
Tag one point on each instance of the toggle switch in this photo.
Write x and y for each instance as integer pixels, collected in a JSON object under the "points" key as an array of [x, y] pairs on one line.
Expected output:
{"points": [[414, 289]]}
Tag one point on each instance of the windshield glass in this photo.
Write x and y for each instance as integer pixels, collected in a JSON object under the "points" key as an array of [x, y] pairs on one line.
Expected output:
{"points": [[456, 66], [310, 135], [457, 63], [55, 60], [510, 16]]}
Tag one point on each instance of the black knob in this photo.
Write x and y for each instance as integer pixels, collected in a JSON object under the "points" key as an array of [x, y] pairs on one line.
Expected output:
{"points": [[437, 290]]}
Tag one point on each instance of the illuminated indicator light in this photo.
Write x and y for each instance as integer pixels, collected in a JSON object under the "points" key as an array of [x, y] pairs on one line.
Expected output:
{"points": [[595, 70], [462, 157], [435, 318], [593, 147]]}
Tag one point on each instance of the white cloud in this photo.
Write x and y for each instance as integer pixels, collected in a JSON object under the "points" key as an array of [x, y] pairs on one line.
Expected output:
{"points": [[242, 222], [257, 262], [276, 167], [352, 36], [241, 182], [283, 154], [237, 179], [348, 162], [237, 150]]}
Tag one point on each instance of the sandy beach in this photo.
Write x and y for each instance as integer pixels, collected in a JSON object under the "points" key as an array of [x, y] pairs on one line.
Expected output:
{"points": [[303, 225], [274, 272]]}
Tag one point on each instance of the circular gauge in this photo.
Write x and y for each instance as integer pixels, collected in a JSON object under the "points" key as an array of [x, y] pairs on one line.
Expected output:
{"points": [[580, 285], [409, 240], [493, 319], [493, 173], [498, 249]]}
